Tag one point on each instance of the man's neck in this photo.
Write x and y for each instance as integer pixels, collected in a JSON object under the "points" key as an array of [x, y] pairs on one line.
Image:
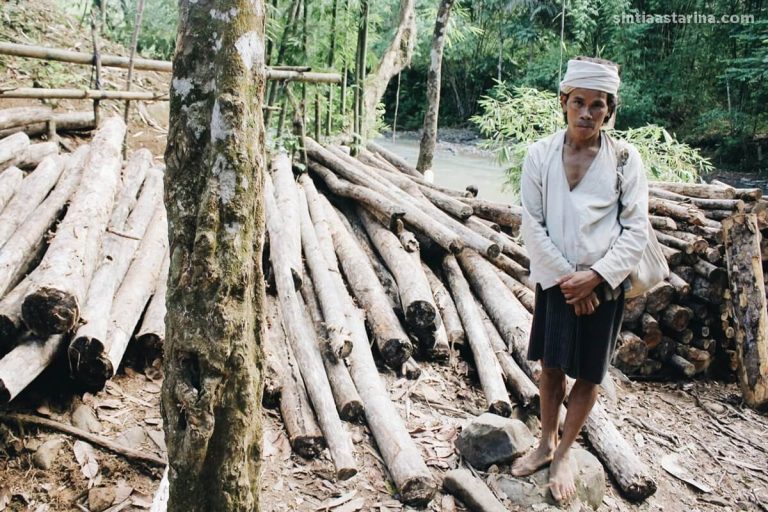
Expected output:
{"points": [[582, 144]]}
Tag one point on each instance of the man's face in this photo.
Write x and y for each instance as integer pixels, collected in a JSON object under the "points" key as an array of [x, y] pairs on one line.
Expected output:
{"points": [[585, 110]]}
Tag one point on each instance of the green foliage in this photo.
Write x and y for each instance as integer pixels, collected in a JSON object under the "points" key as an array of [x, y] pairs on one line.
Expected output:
{"points": [[513, 118]]}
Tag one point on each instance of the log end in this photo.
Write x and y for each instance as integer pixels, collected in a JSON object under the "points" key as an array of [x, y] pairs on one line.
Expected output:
{"points": [[439, 353], [50, 311], [472, 189], [9, 333], [641, 489], [421, 315], [418, 491], [5, 393], [396, 351], [308, 446], [345, 473], [501, 408], [352, 411], [88, 363], [493, 251]]}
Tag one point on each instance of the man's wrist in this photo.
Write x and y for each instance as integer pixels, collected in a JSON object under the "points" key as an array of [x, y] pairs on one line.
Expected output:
{"points": [[596, 276]]}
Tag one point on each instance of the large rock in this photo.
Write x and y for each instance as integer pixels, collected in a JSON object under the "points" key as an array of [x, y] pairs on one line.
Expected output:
{"points": [[492, 439], [532, 492]]}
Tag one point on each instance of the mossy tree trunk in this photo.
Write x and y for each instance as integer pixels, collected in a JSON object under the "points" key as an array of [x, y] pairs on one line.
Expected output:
{"points": [[429, 133], [213, 358]]}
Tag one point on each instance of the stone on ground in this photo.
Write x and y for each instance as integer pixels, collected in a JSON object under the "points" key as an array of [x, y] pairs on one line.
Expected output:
{"points": [[46, 454], [491, 439]]}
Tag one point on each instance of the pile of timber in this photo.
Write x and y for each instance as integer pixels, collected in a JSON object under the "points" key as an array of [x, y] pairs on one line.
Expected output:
{"points": [[83, 253], [419, 270], [43, 120], [685, 326]]}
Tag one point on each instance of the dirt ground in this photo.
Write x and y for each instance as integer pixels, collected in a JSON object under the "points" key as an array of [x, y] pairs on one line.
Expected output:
{"points": [[722, 444]]}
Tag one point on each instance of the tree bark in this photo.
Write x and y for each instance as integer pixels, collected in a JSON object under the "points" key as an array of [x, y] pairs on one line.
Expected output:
{"points": [[36, 153], [287, 200], [151, 335], [10, 180], [12, 146], [742, 249], [215, 166], [445, 305], [61, 283], [429, 132]]}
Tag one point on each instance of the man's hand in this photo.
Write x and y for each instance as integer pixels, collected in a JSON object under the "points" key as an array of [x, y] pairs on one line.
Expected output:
{"points": [[587, 306], [578, 286]]}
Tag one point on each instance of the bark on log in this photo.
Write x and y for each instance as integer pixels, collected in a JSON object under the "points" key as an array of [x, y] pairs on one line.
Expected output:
{"points": [[631, 352], [134, 174], [486, 362], [510, 317], [337, 332], [393, 343], [11, 324], [345, 394], [151, 334], [19, 251], [682, 288], [410, 369], [659, 297], [30, 194], [666, 208], [26, 362], [673, 256], [505, 243], [634, 308], [676, 317], [702, 190], [471, 491], [676, 243], [448, 312], [745, 272], [53, 306], [513, 269], [681, 365], [12, 146], [523, 293], [629, 472], [10, 117], [393, 159], [35, 154], [94, 361], [659, 222], [746, 194], [713, 274], [416, 298], [697, 243], [520, 385], [298, 418], [305, 348], [117, 256], [502, 214], [651, 331], [64, 122], [10, 180], [287, 200]]}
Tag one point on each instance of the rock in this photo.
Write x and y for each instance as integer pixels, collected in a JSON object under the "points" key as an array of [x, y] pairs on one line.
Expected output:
{"points": [[84, 418], [45, 455], [492, 439], [531, 492], [100, 498]]}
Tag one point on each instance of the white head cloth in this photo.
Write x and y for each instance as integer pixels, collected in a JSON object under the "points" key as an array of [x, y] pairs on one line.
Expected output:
{"points": [[582, 74]]}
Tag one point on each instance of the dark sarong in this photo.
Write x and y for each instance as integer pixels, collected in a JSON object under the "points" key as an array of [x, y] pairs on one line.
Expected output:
{"points": [[582, 346]]}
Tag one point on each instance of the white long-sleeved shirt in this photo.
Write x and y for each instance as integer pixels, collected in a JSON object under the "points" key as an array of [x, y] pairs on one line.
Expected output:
{"points": [[567, 230]]}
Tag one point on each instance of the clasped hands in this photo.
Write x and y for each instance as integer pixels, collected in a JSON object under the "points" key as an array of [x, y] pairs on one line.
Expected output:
{"points": [[579, 290]]}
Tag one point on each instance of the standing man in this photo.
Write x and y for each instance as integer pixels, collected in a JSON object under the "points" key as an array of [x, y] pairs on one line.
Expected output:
{"points": [[585, 228]]}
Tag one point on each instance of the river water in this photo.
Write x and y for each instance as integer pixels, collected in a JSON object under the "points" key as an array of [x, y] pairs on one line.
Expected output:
{"points": [[457, 169]]}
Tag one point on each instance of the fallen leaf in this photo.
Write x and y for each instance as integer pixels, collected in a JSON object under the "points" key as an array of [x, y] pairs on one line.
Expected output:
{"points": [[158, 438], [110, 403], [335, 502], [86, 457], [122, 491], [5, 497], [672, 466], [351, 506], [141, 500]]}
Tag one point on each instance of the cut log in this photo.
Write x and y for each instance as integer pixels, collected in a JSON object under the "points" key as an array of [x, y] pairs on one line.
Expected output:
{"points": [[151, 334], [745, 194], [486, 362], [523, 293], [510, 317], [305, 348], [11, 117], [651, 331], [673, 256], [410, 369], [713, 274], [629, 472], [681, 365], [122, 240], [676, 317], [134, 173], [53, 306], [336, 330], [94, 361], [634, 308], [30, 194], [298, 418], [702, 190], [448, 312], [35, 154], [745, 272], [662, 222], [676, 243], [10, 180], [394, 345], [287, 200], [11, 324], [631, 352], [11, 147], [448, 204], [393, 159], [471, 491], [513, 269], [519, 384], [26, 362], [62, 121], [689, 214], [348, 401], [20, 250], [416, 298], [697, 243], [659, 297], [682, 288], [502, 214]]}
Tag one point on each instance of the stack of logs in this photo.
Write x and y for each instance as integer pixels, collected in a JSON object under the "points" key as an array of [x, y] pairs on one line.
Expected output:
{"points": [[420, 270], [684, 326], [83, 254]]}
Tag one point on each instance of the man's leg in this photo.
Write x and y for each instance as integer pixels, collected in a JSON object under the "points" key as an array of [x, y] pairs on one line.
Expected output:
{"points": [[551, 393], [580, 402]]}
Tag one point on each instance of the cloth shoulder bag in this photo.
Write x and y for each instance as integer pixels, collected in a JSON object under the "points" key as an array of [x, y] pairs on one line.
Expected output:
{"points": [[653, 267]]}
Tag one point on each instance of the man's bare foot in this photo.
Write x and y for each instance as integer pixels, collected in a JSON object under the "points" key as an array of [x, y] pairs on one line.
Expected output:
{"points": [[561, 482], [532, 461]]}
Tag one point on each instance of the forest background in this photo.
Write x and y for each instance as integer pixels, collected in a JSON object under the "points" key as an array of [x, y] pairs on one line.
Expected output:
{"points": [[702, 74]]}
